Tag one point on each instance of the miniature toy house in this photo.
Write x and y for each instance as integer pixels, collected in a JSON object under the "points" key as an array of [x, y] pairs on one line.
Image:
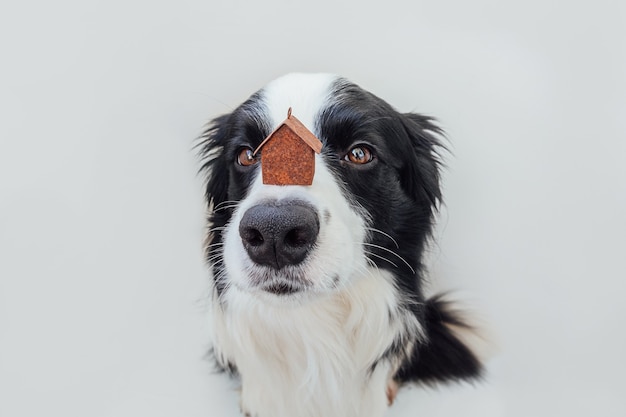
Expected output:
{"points": [[288, 154]]}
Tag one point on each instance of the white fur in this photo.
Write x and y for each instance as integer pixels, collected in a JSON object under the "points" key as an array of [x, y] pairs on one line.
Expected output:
{"points": [[291, 359], [310, 355], [306, 94]]}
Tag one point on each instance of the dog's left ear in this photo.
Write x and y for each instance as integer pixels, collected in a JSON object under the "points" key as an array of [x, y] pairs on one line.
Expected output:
{"points": [[420, 176]]}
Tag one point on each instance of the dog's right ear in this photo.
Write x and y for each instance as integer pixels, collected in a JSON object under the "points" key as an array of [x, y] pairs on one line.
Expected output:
{"points": [[211, 148], [214, 167]]}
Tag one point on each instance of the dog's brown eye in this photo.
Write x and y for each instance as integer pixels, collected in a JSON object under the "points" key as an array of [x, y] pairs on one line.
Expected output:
{"points": [[246, 157], [359, 155]]}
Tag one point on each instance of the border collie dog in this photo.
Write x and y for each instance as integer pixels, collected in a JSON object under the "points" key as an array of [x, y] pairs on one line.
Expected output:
{"points": [[318, 303]]}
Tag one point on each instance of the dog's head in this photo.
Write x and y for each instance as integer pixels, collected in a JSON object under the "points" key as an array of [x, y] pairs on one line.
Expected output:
{"points": [[370, 205]]}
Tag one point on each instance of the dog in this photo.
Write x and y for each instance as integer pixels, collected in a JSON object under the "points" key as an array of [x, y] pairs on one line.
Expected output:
{"points": [[318, 302]]}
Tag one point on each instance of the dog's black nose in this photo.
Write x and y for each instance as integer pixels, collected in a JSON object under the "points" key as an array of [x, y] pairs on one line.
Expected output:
{"points": [[279, 234]]}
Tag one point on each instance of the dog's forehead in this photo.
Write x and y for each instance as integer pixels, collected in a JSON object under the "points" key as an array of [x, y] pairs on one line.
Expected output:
{"points": [[305, 94]]}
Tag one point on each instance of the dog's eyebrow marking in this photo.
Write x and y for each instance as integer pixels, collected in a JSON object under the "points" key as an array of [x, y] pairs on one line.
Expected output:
{"points": [[326, 215]]}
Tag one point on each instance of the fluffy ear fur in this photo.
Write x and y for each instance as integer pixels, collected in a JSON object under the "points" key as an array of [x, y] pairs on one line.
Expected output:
{"points": [[421, 178], [211, 148], [444, 357]]}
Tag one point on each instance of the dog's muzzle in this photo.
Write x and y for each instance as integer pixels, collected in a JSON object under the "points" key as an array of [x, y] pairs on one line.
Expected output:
{"points": [[279, 234]]}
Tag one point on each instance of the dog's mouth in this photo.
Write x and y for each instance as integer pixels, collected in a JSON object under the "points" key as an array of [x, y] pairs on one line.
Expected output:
{"points": [[281, 288], [281, 283]]}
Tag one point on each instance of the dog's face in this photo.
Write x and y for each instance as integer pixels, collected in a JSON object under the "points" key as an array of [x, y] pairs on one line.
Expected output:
{"points": [[370, 205]]}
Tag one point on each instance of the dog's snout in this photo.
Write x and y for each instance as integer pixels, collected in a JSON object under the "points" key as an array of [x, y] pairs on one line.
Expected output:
{"points": [[279, 234]]}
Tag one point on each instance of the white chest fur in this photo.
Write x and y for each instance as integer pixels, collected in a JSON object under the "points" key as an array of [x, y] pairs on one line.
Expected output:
{"points": [[314, 359]]}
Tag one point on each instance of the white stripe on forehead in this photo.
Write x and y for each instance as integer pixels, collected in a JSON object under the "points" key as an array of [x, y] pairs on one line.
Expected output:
{"points": [[306, 94]]}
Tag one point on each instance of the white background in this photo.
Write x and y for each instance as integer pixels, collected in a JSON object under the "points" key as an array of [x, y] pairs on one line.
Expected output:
{"points": [[103, 291]]}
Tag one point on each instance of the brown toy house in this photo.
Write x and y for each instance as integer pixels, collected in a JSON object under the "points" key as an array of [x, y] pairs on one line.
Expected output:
{"points": [[288, 154]]}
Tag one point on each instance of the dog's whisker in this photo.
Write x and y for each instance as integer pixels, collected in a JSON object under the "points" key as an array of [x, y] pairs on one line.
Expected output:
{"points": [[213, 259], [384, 234], [392, 252], [232, 202], [212, 245], [220, 278], [372, 264], [226, 207], [214, 252], [381, 257]]}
